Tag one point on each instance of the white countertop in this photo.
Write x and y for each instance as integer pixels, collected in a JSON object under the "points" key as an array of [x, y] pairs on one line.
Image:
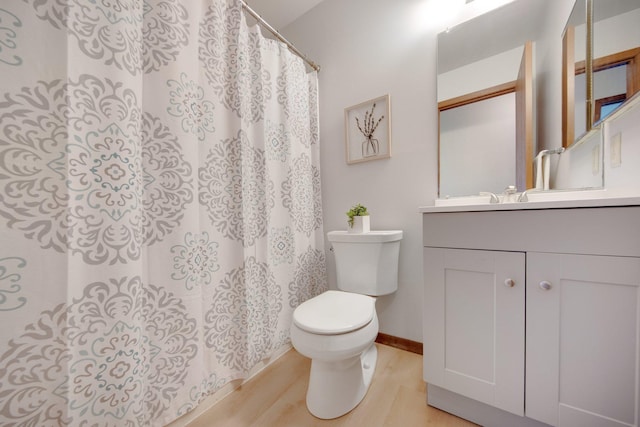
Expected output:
{"points": [[539, 200]]}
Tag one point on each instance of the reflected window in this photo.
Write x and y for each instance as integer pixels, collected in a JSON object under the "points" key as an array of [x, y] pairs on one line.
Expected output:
{"points": [[606, 106]]}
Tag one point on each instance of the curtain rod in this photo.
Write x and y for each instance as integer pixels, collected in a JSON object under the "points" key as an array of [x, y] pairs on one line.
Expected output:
{"points": [[273, 31]]}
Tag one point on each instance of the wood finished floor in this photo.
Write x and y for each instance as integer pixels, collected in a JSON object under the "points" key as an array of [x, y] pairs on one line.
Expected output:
{"points": [[276, 397]]}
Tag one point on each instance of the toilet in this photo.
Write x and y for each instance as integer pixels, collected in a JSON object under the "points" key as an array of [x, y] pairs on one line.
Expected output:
{"points": [[337, 328]]}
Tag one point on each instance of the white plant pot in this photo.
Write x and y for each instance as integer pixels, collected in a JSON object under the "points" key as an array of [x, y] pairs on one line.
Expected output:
{"points": [[361, 225]]}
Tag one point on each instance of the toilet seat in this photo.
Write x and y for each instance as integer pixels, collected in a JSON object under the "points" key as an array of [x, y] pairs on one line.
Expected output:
{"points": [[334, 312]]}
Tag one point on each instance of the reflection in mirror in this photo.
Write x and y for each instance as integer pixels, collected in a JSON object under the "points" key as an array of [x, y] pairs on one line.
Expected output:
{"points": [[485, 100], [616, 63], [616, 52], [574, 42], [468, 162]]}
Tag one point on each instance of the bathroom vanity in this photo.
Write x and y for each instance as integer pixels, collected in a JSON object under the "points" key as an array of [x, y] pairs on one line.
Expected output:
{"points": [[532, 312]]}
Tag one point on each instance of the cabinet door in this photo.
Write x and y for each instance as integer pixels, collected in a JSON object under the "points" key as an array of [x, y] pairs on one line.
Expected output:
{"points": [[474, 324], [582, 340]]}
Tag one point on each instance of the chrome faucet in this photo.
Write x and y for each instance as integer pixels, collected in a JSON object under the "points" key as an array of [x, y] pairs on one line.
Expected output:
{"points": [[494, 198], [523, 197], [509, 193], [511, 189]]}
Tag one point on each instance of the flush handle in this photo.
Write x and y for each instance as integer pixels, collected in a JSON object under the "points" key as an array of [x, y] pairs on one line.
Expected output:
{"points": [[544, 285], [509, 283]]}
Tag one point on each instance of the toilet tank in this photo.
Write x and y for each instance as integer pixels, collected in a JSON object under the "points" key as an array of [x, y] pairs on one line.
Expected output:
{"points": [[366, 263]]}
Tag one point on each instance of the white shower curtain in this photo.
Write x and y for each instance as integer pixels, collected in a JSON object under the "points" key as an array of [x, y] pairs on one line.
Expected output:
{"points": [[160, 212]]}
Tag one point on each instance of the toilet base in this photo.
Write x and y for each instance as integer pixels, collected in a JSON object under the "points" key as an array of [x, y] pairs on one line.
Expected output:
{"points": [[335, 388]]}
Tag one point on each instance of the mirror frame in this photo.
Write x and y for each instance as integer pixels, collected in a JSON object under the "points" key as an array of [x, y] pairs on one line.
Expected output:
{"points": [[568, 87]]}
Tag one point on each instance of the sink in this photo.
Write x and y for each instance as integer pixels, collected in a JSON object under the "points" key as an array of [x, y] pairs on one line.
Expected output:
{"points": [[464, 200], [533, 196], [549, 199], [557, 195]]}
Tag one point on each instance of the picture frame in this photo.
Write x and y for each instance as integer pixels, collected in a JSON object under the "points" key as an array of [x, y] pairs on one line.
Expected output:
{"points": [[367, 128]]}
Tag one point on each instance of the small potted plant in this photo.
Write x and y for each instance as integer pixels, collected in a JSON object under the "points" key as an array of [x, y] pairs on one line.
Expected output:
{"points": [[358, 219]]}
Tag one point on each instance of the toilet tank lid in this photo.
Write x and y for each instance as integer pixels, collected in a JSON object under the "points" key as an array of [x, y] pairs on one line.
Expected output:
{"points": [[374, 236], [334, 312]]}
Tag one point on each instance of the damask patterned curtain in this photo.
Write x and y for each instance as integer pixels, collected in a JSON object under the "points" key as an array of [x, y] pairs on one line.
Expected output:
{"points": [[160, 212]]}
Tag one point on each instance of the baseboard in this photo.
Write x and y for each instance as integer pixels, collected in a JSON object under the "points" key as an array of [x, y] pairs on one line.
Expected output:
{"points": [[401, 343]]}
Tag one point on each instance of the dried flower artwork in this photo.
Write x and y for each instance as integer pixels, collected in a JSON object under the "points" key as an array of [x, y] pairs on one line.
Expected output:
{"points": [[371, 120], [370, 146]]}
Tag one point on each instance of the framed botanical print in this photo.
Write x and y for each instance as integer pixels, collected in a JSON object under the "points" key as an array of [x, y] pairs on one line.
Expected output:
{"points": [[367, 129]]}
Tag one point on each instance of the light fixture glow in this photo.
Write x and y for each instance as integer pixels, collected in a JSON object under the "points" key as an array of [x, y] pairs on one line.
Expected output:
{"points": [[435, 14]]}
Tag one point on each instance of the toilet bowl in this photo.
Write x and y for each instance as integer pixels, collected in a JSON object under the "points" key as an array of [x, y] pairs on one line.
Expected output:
{"points": [[337, 328], [343, 354]]}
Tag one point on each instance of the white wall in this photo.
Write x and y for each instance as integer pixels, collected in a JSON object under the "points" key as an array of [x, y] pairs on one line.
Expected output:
{"points": [[619, 167], [367, 48], [623, 175], [581, 166]]}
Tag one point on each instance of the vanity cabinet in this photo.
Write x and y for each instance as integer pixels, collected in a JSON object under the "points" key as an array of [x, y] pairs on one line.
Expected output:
{"points": [[532, 317], [475, 312], [582, 338]]}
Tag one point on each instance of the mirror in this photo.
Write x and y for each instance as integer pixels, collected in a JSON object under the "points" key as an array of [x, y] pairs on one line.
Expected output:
{"points": [[574, 42], [616, 55], [485, 100], [601, 61]]}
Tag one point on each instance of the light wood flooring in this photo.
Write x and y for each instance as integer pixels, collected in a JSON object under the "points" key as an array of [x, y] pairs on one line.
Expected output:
{"points": [[276, 397]]}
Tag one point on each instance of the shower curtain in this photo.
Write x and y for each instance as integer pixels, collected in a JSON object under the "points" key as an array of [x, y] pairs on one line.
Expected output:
{"points": [[160, 212]]}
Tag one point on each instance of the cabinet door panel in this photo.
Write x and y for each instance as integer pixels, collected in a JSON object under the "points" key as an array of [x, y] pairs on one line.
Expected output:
{"points": [[582, 340], [474, 325], [469, 323]]}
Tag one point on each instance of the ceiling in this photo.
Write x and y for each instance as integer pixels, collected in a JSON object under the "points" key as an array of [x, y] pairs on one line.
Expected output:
{"points": [[280, 13]]}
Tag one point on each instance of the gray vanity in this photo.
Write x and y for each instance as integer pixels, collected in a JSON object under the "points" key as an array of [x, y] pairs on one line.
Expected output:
{"points": [[532, 307], [532, 312]]}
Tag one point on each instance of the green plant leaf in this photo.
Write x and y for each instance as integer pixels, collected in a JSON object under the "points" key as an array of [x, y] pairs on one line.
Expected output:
{"points": [[357, 210]]}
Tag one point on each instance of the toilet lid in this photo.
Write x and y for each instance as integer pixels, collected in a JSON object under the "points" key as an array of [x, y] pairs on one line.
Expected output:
{"points": [[334, 312]]}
